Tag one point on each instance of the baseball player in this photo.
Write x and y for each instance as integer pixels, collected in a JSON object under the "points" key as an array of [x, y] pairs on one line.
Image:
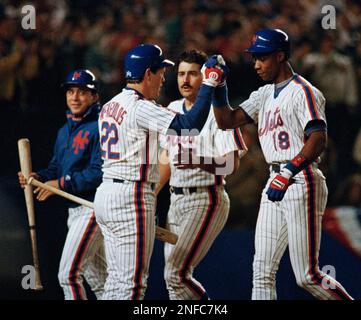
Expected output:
{"points": [[129, 125], [199, 204], [76, 168], [292, 130]]}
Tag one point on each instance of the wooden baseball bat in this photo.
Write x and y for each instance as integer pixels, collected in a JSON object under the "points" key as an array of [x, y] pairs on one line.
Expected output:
{"points": [[26, 169], [160, 233]]}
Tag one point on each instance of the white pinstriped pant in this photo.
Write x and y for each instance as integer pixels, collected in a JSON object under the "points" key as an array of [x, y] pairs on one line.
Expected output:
{"points": [[126, 215], [295, 221], [197, 219], [83, 256]]}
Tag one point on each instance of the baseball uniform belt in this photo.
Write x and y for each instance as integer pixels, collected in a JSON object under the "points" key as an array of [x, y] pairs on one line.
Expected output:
{"points": [[190, 190], [152, 185], [275, 168]]}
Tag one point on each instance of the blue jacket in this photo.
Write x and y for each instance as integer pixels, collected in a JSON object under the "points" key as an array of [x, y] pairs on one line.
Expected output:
{"points": [[77, 162]]}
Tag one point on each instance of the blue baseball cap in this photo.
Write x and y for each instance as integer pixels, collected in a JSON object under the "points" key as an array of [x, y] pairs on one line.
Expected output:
{"points": [[268, 41], [142, 57], [83, 78]]}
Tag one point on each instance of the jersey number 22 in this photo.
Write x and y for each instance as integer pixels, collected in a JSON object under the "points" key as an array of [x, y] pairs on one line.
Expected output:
{"points": [[108, 139]]}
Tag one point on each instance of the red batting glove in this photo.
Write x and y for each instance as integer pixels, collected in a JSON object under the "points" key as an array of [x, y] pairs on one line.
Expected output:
{"points": [[278, 188]]}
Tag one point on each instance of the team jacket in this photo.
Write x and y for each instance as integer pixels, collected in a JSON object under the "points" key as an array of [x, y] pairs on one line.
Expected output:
{"points": [[76, 162]]}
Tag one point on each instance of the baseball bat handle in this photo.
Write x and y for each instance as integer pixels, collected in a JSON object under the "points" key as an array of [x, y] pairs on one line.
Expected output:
{"points": [[160, 233], [165, 235], [32, 181]]}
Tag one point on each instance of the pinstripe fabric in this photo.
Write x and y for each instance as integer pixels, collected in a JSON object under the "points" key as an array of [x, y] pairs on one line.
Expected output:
{"points": [[197, 218], [83, 256], [283, 119], [211, 142], [298, 225], [130, 142], [126, 215], [270, 244]]}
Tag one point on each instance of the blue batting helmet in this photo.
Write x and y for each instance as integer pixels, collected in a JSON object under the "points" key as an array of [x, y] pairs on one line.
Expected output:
{"points": [[143, 57], [83, 78], [268, 41]]}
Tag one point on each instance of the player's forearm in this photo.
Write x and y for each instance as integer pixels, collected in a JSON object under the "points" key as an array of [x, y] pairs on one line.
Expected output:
{"points": [[225, 165], [195, 119], [229, 119], [315, 145], [164, 171], [312, 149], [226, 117]]}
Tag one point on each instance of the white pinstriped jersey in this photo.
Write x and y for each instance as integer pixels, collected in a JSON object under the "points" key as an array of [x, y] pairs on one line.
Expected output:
{"points": [[211, 142], [282, 119], [129, 127]]}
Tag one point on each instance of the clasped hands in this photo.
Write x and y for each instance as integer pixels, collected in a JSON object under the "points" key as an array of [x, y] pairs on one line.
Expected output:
{"points": [[215, 71]]}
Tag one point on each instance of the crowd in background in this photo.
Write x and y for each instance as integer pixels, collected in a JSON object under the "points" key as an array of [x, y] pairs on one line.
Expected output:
{"points": [[96, 35]]}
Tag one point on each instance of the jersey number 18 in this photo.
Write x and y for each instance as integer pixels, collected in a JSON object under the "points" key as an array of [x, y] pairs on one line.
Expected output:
{"points": [[282, 140]]}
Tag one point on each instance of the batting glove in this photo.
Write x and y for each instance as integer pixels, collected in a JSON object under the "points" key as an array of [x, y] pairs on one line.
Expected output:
{"points": [[213, 72], [225, 69], [278, 187]]}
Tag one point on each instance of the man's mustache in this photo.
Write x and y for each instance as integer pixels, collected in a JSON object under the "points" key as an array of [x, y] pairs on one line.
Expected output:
{"points": [[186, 86]]}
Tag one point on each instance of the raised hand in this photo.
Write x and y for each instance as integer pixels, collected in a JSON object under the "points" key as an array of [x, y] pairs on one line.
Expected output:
{"points": [[214, 71]]}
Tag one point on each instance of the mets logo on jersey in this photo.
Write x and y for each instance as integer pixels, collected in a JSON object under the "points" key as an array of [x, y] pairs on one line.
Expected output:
{"points": [[80, 141], [271, 122]]}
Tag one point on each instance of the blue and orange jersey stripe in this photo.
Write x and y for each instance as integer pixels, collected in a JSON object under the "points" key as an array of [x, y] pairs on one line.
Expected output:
{"points": [[211, 210], [140, 240], [310, 97], [312, 237], [239, 139], [83, 245]]}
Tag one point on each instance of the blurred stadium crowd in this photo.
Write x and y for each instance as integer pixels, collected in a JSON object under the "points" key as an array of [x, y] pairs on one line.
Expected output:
{"points": [[96, 35]]}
